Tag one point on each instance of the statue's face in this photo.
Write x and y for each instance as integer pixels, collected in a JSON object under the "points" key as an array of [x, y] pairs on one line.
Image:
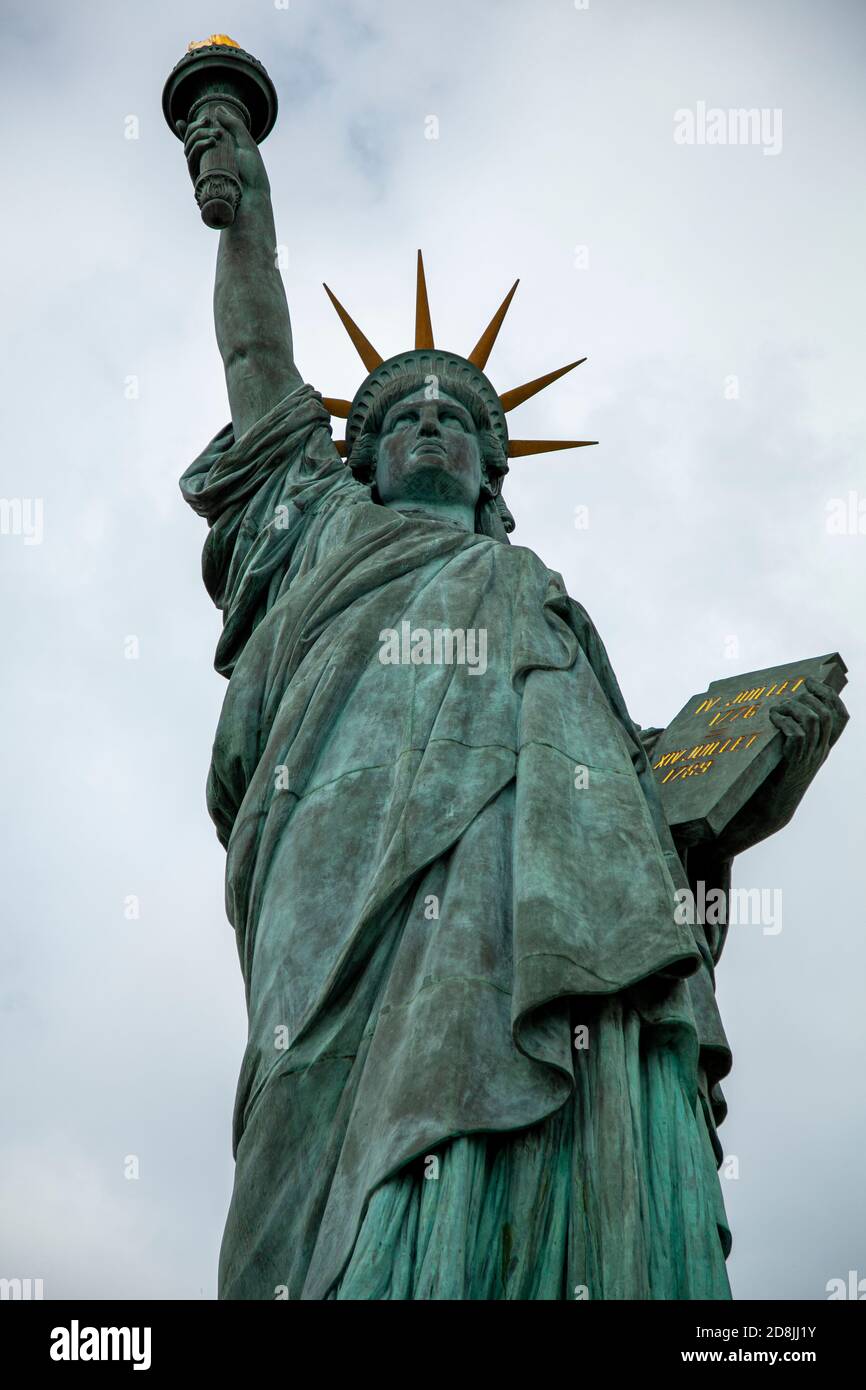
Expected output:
{"points": [[429, 451]]}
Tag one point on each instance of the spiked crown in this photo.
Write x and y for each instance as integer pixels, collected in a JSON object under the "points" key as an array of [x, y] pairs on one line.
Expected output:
{"points": [[389, 379]]}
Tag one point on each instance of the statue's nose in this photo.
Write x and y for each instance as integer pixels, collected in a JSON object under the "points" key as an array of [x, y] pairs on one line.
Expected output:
{"points": [[429, 421]]}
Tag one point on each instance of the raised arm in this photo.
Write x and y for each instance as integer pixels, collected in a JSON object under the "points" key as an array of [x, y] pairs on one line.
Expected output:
{"points": [[253, 330]]}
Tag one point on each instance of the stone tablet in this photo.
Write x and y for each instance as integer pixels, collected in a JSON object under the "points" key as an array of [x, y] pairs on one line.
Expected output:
{"points": [[719, 749]]}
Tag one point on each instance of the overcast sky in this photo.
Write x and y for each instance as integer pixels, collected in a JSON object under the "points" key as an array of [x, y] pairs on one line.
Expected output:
{"points": [[720, 300]]}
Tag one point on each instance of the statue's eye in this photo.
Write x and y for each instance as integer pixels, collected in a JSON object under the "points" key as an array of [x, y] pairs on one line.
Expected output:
{"points": [[453, 420], [402, 421]]}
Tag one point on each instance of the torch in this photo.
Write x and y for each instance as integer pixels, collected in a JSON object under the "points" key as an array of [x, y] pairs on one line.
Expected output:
{"points": [[217, 72]]}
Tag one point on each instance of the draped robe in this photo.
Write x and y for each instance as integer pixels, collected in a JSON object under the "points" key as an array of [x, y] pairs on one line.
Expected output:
{"points": [[483, 1052]]}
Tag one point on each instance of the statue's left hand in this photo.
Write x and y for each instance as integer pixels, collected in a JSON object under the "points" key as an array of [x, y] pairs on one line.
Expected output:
{"points": [[810, 723]]}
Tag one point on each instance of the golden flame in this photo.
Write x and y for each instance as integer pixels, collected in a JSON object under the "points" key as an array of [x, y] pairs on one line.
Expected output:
{"points": [[214, 38]]}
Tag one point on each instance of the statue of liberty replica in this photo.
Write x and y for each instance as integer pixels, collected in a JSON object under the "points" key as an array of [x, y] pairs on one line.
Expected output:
{"points": [[484, 1052]]}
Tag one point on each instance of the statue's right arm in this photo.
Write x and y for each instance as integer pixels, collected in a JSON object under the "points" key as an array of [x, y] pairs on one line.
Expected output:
{"points": [[253, 330]]}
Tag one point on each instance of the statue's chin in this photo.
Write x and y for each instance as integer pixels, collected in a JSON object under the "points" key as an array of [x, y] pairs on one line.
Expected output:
{"points": [[430, 479]]}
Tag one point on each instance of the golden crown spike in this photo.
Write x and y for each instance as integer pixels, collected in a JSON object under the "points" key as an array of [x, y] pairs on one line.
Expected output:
{"points": [[423, 326], [482, 349], [367, 353]]}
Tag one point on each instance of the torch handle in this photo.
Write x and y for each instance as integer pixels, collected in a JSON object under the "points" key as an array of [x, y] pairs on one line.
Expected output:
{"points": [[217, 186]]}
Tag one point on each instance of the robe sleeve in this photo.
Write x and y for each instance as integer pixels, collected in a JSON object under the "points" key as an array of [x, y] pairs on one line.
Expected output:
{"points": [[258, 495]]}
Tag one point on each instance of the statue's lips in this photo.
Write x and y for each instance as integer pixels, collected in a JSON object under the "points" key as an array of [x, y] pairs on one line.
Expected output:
{"points": [[428, 448]]}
